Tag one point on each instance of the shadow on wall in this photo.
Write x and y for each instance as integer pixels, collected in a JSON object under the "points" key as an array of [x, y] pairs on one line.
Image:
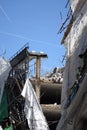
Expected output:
{"points": [[82, 125]]}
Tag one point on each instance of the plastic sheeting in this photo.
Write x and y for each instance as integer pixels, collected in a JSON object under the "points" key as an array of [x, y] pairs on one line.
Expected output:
{"points": [[3, 107], [9, 128], [36, 119], [1, 128], [4, 72]]}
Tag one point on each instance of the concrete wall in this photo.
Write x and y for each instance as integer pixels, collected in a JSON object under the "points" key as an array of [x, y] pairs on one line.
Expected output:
{"points": [[76, 43]]}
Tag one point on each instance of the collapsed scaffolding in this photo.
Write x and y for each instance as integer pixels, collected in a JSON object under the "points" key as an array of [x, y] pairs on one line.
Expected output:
{"points": [[13, 88], [20, 70]]}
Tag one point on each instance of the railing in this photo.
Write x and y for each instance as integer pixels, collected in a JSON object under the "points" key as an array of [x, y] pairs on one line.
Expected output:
{"points": [[25, 46]]}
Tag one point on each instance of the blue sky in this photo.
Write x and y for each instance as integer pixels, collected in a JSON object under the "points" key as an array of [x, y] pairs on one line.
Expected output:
{"points": [[36, 22]]}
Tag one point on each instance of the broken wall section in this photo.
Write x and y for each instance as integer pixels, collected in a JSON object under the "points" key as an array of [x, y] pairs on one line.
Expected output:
{"points": [[76, 43], [73, 4]]}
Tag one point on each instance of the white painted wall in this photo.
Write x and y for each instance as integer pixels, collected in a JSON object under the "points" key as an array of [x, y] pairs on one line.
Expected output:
{"points": [[76, 43], [73, 4]]}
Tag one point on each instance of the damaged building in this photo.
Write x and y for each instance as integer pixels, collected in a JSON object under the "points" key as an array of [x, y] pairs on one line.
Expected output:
{"points": [[74, 90], [48, 91]]}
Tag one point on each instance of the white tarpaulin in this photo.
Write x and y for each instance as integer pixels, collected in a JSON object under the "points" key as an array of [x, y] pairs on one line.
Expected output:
{"points": [[1, 128], [4, 72], [36, 119]]}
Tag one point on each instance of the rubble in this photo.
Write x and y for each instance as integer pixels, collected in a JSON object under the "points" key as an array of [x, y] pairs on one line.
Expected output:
{"points": [[55, 77]]}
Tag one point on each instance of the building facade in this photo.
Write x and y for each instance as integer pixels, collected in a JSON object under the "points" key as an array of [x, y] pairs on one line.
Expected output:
{"points": [[74, 90]]}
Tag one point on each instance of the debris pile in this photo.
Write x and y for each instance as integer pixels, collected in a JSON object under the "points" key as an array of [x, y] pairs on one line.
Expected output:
{"points": [[55, 77]]}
